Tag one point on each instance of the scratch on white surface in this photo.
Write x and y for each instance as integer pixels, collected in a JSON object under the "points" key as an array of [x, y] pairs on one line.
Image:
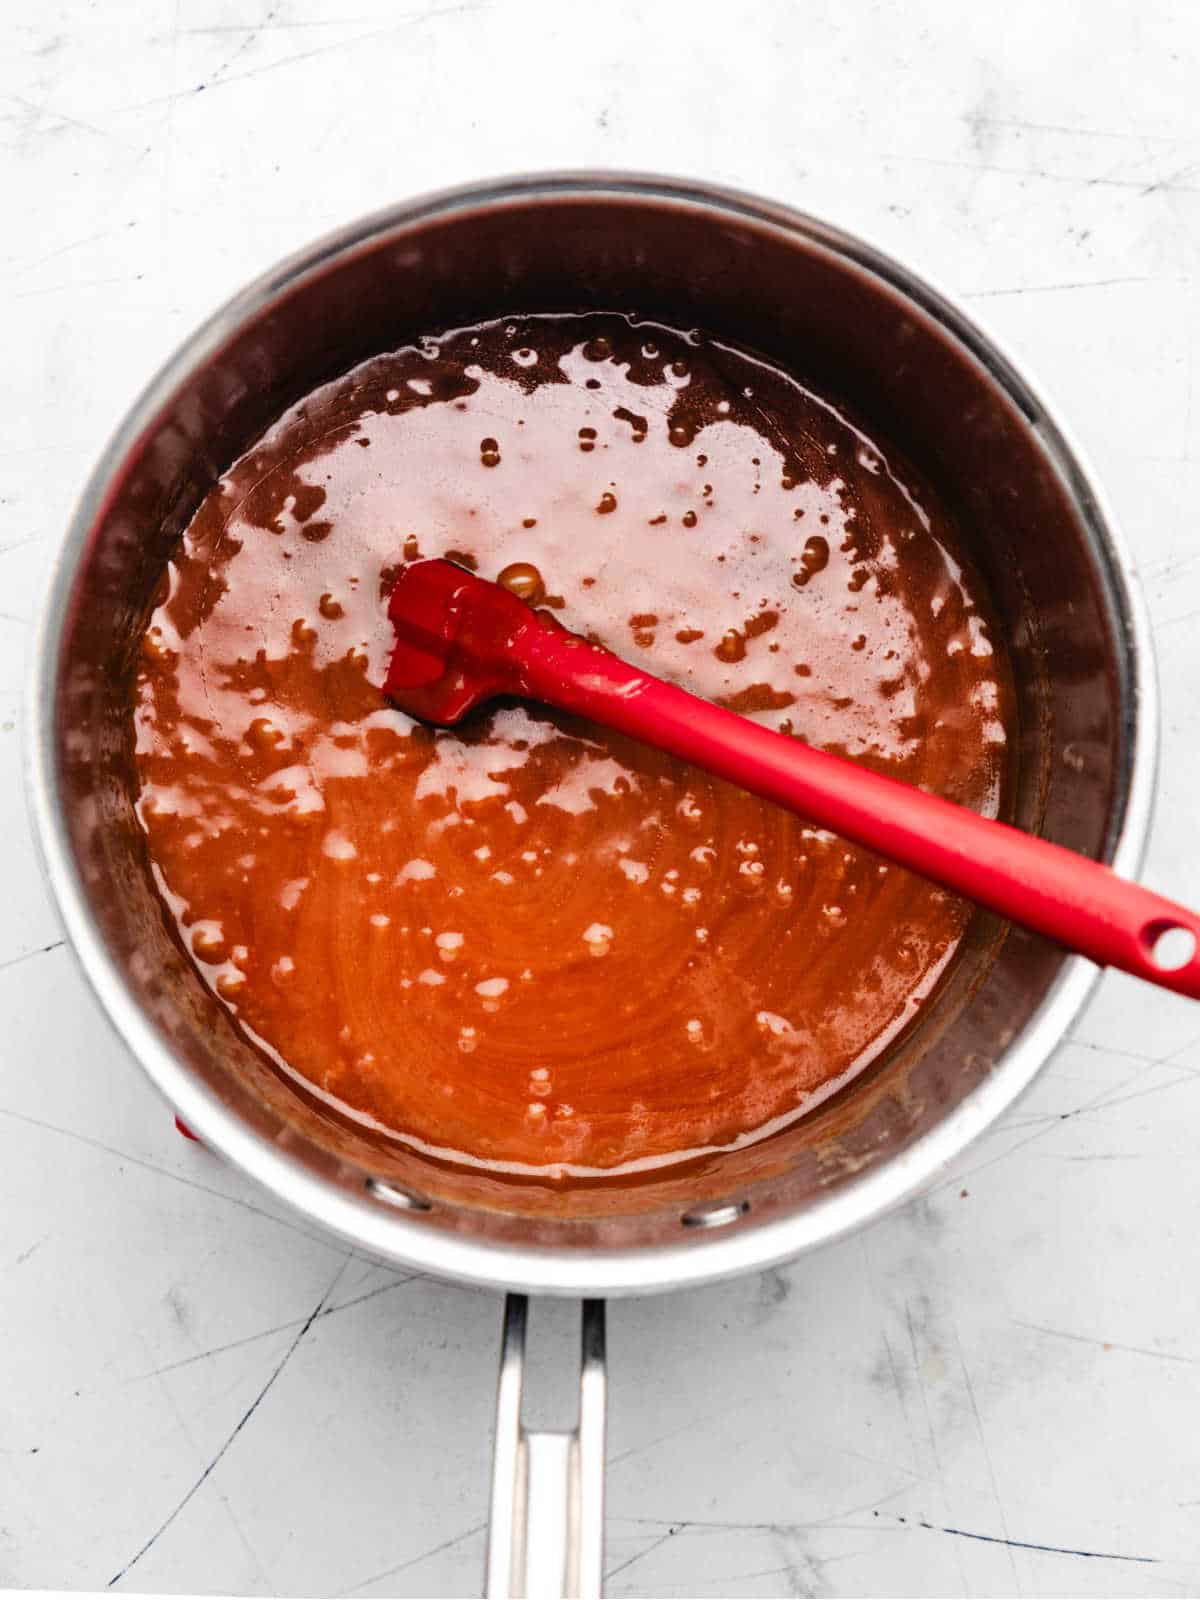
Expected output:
{"points": [[640, 1555], [1123, 1054], [167, 139], [1184, 616], [1100, 1155], [1108, 1344], [32, 955], [981, 1433], [1191, 1044], [336, 45], [707, 1419], [1103, 1101], [22, 264], [235, 1523], [725, 1582], [676, 1528], [1187, 1077], [1079, 180], [888, 1466], [1024, 124], [162, 1172], [74, 286], [280, 1327], [806, 1573], [1027, 1544], [21, 544], [238, 1428], [1168, 1058], [839, 1518], [1058, 288], [919, 1374], [881, 1318], [252, 34], [39, 112], [415, 1561], [277, 25]]}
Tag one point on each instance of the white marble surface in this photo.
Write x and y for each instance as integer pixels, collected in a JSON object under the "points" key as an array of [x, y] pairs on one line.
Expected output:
{"points": [[993, 1392]]}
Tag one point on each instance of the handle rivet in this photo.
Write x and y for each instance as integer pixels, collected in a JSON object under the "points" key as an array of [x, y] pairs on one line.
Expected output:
{"points": [[719, 1216], [395, 1194]]}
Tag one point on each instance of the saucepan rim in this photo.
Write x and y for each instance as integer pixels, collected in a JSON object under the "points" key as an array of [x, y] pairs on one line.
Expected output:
{"points": [[701, 1255]]}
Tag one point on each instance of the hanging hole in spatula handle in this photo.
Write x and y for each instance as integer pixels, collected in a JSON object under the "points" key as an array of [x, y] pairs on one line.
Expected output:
{"points": [[1170, 945], [1165, 942], [1089, 908]]}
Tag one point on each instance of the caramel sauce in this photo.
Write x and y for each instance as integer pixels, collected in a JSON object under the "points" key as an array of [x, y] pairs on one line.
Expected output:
{"points": [[527, 943]]}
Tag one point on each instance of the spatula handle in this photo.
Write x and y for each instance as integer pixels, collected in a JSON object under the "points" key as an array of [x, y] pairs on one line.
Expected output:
{"points": [[1069, 898]]}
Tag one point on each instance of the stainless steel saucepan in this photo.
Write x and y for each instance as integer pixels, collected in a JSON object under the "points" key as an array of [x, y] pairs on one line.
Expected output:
{"points": [[853, 323]]}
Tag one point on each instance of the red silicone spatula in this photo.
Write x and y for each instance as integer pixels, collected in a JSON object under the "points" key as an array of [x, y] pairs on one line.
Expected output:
{"points": [[461, 640]]}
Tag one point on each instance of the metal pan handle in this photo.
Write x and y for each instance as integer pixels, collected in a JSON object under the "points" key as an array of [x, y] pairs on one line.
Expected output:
{"points": [[546, 1534]]}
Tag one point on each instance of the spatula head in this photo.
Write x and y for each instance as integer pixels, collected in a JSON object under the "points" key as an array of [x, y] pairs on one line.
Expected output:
{"points": [[457, 641]]}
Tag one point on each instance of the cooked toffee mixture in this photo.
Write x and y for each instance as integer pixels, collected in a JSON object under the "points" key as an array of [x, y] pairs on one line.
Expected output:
{"points": [[528, 943]]}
